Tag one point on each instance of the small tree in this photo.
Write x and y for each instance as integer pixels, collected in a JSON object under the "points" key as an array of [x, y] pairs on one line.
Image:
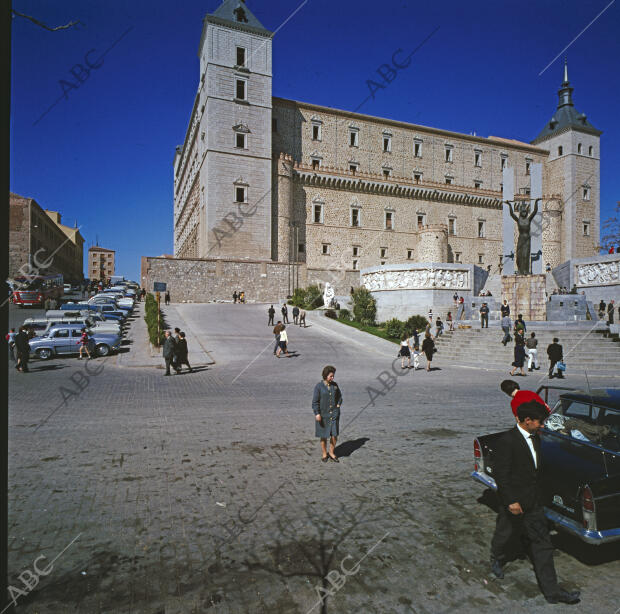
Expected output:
{"points": [[394, 328], [364, 306], [416, 322], [611, 230]]}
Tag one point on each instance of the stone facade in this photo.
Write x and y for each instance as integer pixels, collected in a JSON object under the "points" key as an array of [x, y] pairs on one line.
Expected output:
{"points": [[526, 295], [101, 263]]}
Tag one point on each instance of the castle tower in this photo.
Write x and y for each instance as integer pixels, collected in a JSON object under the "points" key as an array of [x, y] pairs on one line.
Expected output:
{"points": [[233, 111], [433, 243], [573, 171]]}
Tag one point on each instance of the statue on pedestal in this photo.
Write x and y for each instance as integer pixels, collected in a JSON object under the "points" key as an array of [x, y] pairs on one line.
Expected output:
{"points": [[524, 243], [328, 295]]}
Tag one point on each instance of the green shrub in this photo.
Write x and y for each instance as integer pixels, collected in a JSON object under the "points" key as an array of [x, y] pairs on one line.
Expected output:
{"points": [[394, 328], [415, 322], [330, 313], [364, 306], [344, 314], [299, 298], [307, 298], [150, 317]]}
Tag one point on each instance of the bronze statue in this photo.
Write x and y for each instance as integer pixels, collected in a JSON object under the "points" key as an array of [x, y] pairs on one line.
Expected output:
{"points": [[524, 243]]}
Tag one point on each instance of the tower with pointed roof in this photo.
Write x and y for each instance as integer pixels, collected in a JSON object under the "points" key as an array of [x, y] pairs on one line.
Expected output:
{"points": [[223, 170], [573, 171]]}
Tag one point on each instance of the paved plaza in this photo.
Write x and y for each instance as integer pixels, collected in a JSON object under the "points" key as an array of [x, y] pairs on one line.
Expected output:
{"points": [[205, 492]]}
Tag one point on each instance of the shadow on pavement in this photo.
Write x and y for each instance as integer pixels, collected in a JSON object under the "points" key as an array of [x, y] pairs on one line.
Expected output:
{"points": [[348, 447]]}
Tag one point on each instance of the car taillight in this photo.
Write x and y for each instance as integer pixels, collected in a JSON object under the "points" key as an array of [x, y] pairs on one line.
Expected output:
{"points": [[588, 508], [477, 454]]}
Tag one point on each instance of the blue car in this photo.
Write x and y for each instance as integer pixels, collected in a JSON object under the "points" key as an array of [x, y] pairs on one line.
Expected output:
{"points": [[65, 339]]}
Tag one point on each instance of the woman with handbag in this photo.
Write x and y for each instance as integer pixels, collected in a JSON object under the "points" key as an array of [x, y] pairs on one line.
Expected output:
{"points": [[519, 360], [326, 402], [428, 347], [405, 351]]}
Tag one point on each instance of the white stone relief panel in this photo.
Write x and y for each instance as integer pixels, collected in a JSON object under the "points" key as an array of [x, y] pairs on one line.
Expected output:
{"points": [[598, 274], [417, 279]]}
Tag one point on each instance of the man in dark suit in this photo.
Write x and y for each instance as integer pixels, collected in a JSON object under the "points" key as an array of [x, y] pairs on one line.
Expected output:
{"points": [[518, 469], [168, 351], [556, 354]]}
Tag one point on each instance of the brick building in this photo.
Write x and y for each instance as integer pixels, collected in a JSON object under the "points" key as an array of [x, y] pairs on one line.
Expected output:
{"points": [[100, 263], [263, 178], [37, 237]]}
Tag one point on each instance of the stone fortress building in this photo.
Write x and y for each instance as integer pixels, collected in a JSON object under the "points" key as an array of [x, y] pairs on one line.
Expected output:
{"points": [[274, 183]]}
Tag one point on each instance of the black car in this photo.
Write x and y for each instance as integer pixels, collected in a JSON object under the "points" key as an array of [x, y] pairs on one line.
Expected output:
{"points": [[581, 456]]}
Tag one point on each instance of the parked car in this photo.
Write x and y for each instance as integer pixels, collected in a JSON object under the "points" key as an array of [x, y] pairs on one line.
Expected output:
{"points": [[65, 339], [41, 326], [581, 458]]}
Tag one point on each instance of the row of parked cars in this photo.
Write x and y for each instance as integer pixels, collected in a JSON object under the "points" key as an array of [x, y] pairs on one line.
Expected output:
{"points": [[103, 315]]}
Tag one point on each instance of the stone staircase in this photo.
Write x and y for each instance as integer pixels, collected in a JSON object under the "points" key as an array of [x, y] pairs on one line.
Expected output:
{"points": [[584, 349]]}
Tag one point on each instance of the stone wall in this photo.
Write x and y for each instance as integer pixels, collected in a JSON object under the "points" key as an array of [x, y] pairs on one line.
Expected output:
{"points": [[526, 294]]}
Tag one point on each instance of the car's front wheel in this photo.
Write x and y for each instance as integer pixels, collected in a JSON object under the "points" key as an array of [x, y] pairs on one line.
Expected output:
{"points": [[44, 353], [103, 349]]}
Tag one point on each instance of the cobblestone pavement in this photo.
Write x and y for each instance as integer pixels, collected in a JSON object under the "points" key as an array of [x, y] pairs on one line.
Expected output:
{"points": [[205, 492]]}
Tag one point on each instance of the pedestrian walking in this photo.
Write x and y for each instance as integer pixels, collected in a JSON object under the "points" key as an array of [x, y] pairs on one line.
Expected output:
{"points": [[484, 316], [518, 396], [519, 353], [302, 317], [517, 470], [326, 402], [295, 314], [84, 343], [428, 347], [461, 307], [22, 349], [602, 308], [610, 312], [520, 324], [143, 293], [10, 339], [168, 351], [506, 323], [430, 315], [283, 343], [438, 327], [531, 347], [505, 308], [276, 331], [405, 352], [285, 314], [167, 297], [242, 297], [455, 298], [177, 337], [556, 355], [271, 312], [181, 353], [235, 296], [450, 321]]}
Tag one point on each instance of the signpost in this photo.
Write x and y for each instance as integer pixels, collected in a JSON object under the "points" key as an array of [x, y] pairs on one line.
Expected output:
{"points": [[158, 288]]}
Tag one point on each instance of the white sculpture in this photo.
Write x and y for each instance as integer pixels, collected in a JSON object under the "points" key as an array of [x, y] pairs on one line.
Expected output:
{"points": [[328, 295], [598, 274]]}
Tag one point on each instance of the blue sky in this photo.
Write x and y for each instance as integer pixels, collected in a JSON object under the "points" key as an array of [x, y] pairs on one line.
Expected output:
{"points": [[103, 154]]}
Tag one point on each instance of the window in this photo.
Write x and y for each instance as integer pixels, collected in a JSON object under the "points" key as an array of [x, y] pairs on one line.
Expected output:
{"points": [[528, 168], [586, 192], [240, 140], [590, 150], [503, 161], [240, 194], [316, 132], [477, 184], [240, 92], [477, 158], [386, 173], [457, 256], [63, 332], [586, 229], [353, 138], [318, 214], [481, 229], [579, 148], [448, 154], [353, 168], [448, 180], [355, 218], [417, 149], [389, 220], [240, 56], [480, 258], [316, 163], [325, 248], [301, 248], [560, 150], [383, 252], [417, 177], [356, 250], [355, 265], [421, 220], [409, 254], [387, 143], [452, 226], [274, 124]]}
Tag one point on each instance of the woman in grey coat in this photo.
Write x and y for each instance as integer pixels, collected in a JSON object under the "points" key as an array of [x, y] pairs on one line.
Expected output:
{"points": [[326, 402]]}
